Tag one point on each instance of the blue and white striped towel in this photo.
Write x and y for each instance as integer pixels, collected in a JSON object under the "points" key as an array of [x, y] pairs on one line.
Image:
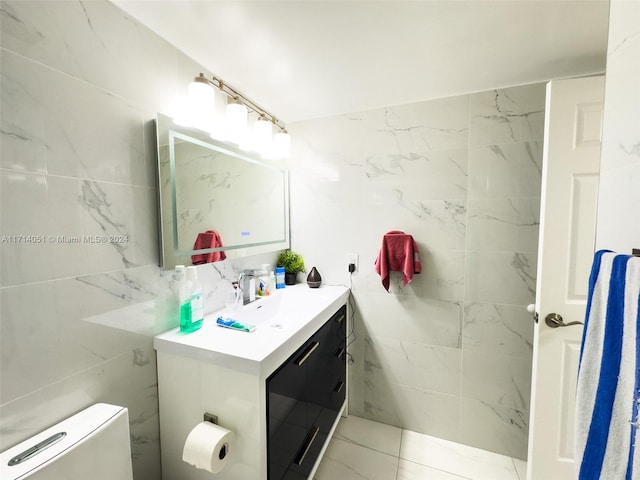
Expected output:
{"points": [[607, 443]]}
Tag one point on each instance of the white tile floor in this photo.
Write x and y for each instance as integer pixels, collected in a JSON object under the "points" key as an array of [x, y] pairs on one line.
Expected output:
{"points": [[366, 450]]}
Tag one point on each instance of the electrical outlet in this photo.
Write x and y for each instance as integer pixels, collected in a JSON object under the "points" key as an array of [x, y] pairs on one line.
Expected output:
{"points": [[352, 258]]}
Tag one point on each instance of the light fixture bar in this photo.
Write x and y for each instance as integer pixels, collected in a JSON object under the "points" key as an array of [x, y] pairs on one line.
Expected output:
{"points": [[235, 94]]}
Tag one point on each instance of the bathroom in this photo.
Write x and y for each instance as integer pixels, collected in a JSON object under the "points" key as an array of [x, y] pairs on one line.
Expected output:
{"points": [[81, 82]]}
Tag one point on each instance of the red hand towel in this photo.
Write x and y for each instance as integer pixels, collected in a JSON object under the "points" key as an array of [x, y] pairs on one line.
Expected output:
{"points": [[399, 253], [208, 239]]}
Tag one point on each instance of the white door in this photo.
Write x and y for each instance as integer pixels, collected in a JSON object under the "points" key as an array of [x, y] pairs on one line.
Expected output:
{"points": [[570, 169]]}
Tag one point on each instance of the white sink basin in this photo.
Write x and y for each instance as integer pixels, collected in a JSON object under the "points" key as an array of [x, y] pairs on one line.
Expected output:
{"points": [[283, 322], [272, 310], [260, 312]]}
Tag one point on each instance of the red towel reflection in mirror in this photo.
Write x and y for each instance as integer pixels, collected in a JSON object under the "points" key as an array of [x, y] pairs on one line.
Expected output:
{"points": [[205, 240]]}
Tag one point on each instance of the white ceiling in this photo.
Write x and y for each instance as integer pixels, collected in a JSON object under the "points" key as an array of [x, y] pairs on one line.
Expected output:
{"points": [[309, 59]]}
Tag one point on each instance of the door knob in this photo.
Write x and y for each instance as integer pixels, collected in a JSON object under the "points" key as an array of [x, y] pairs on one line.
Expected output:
{"points": [[554, 320]]}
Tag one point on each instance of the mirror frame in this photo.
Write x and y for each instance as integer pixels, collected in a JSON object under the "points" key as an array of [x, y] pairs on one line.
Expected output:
{"points": [[170, 255]]}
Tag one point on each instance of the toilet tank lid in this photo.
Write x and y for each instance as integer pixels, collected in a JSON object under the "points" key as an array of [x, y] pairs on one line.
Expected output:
{"points": [[55, 440]]}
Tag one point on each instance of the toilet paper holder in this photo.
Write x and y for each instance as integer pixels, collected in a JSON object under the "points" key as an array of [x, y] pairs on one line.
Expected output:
{"points": [[210, 417]]}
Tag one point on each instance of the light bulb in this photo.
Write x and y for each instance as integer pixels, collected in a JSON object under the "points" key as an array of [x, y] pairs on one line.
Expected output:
{"points": [[202, 103], [282, 144], [262, 136], [236, 121]]}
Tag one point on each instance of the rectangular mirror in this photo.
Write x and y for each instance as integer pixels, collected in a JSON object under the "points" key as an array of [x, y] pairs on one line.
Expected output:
{"points": [[216, 201]]}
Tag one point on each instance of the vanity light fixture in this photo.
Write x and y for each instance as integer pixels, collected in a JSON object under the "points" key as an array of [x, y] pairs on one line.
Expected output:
{"points": [[198, 111], [263, 136], [237, 117], [282, 144], [201, 101]]}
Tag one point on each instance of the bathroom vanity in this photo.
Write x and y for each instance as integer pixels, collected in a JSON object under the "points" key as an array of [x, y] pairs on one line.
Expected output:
{"points": [[281, 388]]}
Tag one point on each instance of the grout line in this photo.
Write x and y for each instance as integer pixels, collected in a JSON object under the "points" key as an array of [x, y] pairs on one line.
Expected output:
{"points": [[515, 475], [399, 450], [397, 467], [515, 468]]}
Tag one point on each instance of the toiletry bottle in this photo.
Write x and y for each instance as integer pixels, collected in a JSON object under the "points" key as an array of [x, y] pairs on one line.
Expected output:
{"points": [[178, 281], [262, 287], [262, 281], [272, 283], [178, 278], [191, 302], [264, 278], [279, 277], [234, 297]]}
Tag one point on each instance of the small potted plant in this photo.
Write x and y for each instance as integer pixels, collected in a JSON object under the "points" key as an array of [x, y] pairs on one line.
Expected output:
{"points": [[293, 264]]}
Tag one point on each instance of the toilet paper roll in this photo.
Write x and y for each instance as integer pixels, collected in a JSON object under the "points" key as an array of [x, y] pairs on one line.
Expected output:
{"points": [[209, 447]]}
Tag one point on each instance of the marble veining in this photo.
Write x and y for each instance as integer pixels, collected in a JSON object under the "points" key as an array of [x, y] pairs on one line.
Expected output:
{"points": [[415, 364], [631, 149], [416, 133], [518, 219], [503, 224], [374, 166], [462, 175], [517, 418], [505, 113], [623, 43], [412, 167], [528, 147], [498, 328], [96, 202], [29, 32], [445, 214], [80, 82], [506, 426], [508, 170], [525, 271]]}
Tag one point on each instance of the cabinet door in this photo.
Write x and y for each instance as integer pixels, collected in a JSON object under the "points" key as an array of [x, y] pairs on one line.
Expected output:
{"points": [[326, 388], [287, 412], [304, 398]]}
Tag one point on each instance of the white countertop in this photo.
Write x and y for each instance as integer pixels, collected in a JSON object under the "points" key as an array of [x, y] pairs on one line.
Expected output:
{"points": [[284, 321]]}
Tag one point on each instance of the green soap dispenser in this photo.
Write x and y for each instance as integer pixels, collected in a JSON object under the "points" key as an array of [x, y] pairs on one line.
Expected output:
{"points": [[191, 302]]}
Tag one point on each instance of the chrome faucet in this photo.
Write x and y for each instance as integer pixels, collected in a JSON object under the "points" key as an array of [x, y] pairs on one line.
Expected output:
{"points": [[244, 284]]}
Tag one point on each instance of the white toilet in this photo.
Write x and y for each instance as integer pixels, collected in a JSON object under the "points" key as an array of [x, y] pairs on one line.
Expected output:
{"points": [[93, 444]]}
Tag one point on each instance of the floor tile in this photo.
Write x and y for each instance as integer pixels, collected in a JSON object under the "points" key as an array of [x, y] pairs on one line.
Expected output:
{"points": [[345, 461], [414, 471], [367, 433], [367, 450], [456, 458]]}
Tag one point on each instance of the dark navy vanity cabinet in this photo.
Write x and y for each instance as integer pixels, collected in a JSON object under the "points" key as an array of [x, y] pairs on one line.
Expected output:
{"points": [[304, 398]]}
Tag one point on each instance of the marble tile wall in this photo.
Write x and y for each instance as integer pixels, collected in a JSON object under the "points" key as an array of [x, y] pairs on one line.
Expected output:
{"points": [[619, 194], [448, 355], [80, 83]]}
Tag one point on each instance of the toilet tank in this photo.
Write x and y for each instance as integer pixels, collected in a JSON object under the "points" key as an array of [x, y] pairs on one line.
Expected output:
{"points": [[91, 445]]}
